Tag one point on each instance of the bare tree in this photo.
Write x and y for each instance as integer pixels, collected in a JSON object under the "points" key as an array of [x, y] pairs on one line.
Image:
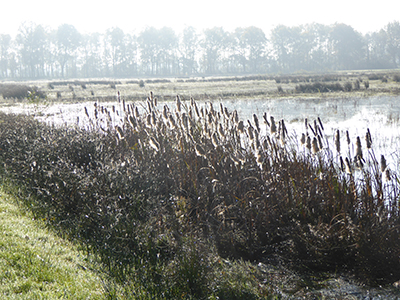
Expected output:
{"points": [[68, 40]]}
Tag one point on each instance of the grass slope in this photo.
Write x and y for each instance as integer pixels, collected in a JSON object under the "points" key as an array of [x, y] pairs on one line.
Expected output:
{"points": [[36, 264]]}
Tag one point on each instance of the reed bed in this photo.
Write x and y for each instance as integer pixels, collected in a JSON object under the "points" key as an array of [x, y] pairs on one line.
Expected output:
{"points": [[162, 194]]}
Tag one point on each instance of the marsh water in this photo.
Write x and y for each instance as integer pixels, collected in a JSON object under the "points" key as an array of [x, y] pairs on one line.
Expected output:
{"points": [[380, 114]]}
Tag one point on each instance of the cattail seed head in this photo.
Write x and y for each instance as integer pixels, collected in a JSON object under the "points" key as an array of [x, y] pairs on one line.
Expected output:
{"points": [[342, 166], [172, 121], [283, 130], [256, 123], [226, 112], [368, 139], [178, 103], [235, 116], [221, 130], [303, 139], [153, 118], [273, 125], [185, 122], [320, 123], [315, 148], [387, 175], [165, 112], [250, 131], [348, 166], [348, 137], [308, 143], [266, 119], [358, 147], [337, 140], [320, 145], [260, 156], [132, 121], [210, 118], [137, 115], [148, 120], [240, 127], [149, 106], [383, 164]]}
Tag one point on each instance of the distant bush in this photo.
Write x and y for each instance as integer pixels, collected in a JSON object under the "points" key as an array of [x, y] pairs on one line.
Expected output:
{"points": [[160, 80], [141, 83], [384, 79], [366, 84], [356, 85], [318, 87], [396, 77], [79, 82], [19, 91], [376, 76], [348, 86]]}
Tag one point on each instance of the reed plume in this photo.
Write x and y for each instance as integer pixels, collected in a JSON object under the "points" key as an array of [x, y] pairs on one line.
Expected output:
{"points": [[383, 163], [315, 148], [273, 125], [358, 148], [368, 139], [256, 123], [337, 140]]}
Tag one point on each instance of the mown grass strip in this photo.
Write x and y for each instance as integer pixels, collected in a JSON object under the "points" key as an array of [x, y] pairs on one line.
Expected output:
{"points": [[36, 264]]}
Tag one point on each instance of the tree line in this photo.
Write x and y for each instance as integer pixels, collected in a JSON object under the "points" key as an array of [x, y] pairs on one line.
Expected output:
{"points": [[39, 52]]}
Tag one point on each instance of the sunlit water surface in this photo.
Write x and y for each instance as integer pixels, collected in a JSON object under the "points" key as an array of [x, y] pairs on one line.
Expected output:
{"points": [[380, 115]]}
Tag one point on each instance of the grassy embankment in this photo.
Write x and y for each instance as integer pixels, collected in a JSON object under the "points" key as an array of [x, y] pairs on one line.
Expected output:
{"points": [[191, 202], [36, 264]]}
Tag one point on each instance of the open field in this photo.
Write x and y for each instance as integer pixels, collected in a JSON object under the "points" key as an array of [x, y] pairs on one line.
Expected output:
{"points": [[337, 84]]}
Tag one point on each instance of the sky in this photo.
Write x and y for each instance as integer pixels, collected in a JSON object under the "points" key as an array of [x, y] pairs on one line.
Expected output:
{"points": [[90, 16]]}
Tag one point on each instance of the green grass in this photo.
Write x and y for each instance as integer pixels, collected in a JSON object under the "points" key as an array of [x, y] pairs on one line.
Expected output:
{"points": [[36, 264]]}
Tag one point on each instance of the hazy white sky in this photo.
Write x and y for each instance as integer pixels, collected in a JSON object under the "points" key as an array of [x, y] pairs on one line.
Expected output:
{"points": [[132, 16]]}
